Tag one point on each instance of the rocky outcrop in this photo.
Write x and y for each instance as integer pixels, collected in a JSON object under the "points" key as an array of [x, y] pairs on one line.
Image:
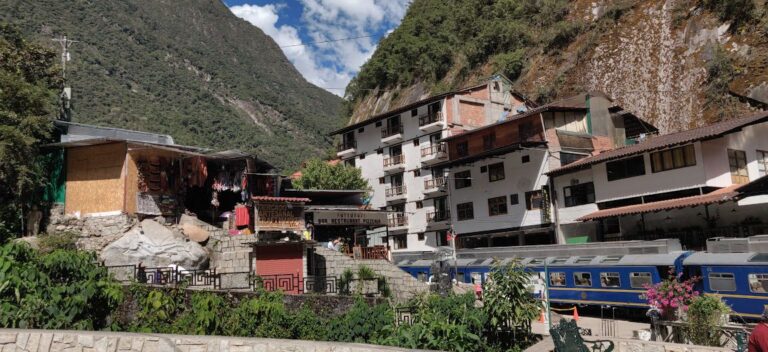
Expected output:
{"points": [[155, 245], [94, 232]]}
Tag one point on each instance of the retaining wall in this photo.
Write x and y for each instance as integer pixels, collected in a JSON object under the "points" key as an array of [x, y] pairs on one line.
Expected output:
{"points": [[95, 232], [96, 341]]}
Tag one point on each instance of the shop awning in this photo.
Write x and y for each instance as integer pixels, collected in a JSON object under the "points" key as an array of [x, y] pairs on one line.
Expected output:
{"points": [[719, 196]]}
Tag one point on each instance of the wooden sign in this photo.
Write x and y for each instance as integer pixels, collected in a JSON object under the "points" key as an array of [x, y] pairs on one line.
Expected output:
{"points": [[279, 216], [350, 218]]}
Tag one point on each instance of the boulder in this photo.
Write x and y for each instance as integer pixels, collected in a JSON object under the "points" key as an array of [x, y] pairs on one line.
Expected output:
{"points": [[195, 233], [154, 245]]}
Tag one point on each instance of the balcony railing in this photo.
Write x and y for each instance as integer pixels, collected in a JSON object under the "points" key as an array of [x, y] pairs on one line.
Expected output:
{"points": [[394, 160], [398, 220], [391, 131], [346, 145], [432, 150], [394, 191], [431, 118], [434, 182], [439, 215]]}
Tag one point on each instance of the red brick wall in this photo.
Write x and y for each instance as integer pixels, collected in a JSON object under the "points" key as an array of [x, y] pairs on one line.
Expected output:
{"points": [[471, 113]]}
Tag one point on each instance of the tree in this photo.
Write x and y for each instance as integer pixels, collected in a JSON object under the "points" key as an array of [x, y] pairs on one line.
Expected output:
{"points": [[28, 79], [319, 174]]}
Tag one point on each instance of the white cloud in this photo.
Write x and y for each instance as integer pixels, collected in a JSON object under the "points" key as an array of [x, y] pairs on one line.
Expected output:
{"points": [[329, 65]]}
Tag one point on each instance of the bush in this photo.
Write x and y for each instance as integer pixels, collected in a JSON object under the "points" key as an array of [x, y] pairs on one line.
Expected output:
{"points": [[737, 11], [49, 243], [362, 323], [705, 314], [510, 64]]}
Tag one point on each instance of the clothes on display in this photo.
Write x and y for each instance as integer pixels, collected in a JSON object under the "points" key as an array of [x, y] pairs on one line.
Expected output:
{"points": [[196, 171], [242, 216]]}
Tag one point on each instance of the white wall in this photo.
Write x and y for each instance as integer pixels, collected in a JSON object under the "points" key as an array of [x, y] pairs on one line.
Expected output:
{"points": [[518, 178]]}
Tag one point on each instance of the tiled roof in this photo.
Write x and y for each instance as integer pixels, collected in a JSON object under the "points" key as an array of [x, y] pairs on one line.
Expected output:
{"points": [[718, 196], [667, 140], [280, 199]]}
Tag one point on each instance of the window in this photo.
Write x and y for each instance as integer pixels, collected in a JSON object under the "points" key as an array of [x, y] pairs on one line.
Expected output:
{"points": [[674, 158], [442, 238], [419, 204], [421, 236], [484, 169], [722, 282], [460, 276], [567, 158], [514, 199], [350, 162], [360, 130], [465, 211], [537, 261], [611, 259], [737, 160], [416, 142], [362, 156], [414, 112], [497, 206], [401, 241], [463, 179], [758, 283], [381, 180], [378, 123], [579, 194], [496, 172], [489, 141], [380, 151], [533, 200], [417, 173], [762, 163], [559, 260], [526, 158], [462, 148], [557, 279], [640, 280], [582, 279], [610, 280], [625, 168]]}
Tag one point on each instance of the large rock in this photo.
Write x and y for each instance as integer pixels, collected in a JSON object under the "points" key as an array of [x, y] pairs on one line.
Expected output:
{"points": [[155, 245]]}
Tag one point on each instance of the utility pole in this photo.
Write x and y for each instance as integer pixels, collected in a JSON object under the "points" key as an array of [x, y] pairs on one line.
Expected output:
{"points": [[65, 112]]}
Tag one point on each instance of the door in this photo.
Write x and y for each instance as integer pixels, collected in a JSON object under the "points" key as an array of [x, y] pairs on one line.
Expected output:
{"points": [[280, 267]]}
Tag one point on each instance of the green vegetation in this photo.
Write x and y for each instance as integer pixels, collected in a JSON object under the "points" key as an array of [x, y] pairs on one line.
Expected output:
{"points": [[737, 11], [320, 174], [438, 36], [720, 73], [66, 289], [27, 82], [187, 68], [705, 314]]}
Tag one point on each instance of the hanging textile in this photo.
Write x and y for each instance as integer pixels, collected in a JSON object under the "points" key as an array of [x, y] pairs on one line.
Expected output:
{"points": [[242, 217], [197, 171]]}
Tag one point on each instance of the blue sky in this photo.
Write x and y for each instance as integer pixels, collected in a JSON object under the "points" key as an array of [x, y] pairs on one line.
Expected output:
{"points": [[328, 65]]}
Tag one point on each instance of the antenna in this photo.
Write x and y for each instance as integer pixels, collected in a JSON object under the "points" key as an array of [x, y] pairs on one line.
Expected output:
{"points": [[65, 112]]}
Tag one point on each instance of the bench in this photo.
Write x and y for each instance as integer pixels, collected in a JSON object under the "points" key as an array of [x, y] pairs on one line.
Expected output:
{"points": [[566, 338]]}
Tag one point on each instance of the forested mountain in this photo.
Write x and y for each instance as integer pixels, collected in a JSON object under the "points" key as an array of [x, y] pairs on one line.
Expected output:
{"points": [[676, 63], [188, 68]]}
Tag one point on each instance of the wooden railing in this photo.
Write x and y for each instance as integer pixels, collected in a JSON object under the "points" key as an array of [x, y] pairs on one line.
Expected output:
{"points": [[434, 182], [391, 131], [398, 220], [375, 252], [394, 160], [394, 191], [432, 150]]}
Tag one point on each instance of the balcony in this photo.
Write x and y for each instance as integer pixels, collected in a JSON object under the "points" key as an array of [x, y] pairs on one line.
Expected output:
{"points": [[395, 194], [397, 223], [433, 154], [392, 134], [346, 148], [438, 220], [395, 163], [432, 122], [435, 185]]}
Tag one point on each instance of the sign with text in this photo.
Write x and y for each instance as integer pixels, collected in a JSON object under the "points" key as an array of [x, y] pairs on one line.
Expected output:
{"points": [[279, 216], [350, 218]]}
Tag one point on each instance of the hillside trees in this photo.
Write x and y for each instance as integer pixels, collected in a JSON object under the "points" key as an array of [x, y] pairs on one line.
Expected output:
{"points": [[27, 81]]}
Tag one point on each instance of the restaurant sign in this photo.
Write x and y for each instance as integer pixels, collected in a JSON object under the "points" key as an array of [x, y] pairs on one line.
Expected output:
{"points": [[349, 218], [279, 217]]}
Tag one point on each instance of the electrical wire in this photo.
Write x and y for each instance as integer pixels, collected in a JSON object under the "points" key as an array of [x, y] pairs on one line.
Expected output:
{"points": [[328, 41]]}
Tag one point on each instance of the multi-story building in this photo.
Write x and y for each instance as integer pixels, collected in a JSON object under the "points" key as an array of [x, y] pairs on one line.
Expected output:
{"points": [[499, 191], [691, 185], [396, 151]]}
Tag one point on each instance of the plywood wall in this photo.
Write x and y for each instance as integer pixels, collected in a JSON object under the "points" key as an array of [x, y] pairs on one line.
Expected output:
{"points": [[96, 178]]}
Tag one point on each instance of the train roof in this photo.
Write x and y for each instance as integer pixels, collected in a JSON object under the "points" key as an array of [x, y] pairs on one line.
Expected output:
{"points": [[607, 260], [748, 258], [662, 246]]}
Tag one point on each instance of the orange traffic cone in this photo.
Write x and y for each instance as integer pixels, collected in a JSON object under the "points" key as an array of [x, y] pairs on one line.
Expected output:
{"points": [[542, 319], [575, 313]]}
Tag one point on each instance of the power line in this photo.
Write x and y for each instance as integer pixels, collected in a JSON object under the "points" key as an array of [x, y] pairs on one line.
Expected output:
{"points": [[328, 41]]}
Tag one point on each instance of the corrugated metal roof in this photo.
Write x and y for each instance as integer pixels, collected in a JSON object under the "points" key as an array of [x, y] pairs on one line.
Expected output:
{"points": [[667, 140]]}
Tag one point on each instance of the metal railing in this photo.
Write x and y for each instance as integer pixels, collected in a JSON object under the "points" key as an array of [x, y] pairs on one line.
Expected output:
{"points": [[439, 215], [394, 160], [433, 150], [391, 131], [346, 145], [398, 220], [436, 182], [394, 191], [430, 118]]}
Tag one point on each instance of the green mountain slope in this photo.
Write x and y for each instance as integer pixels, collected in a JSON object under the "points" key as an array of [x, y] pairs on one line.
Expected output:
{"points": [[188, 68], [676, 63]]}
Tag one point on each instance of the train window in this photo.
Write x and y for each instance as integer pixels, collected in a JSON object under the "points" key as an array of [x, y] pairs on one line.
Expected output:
{"points": [[722, 282], [476, 278], [584, 259], [611, 259], [760, 257], [559, 260], [557, 279], [758, 283], [422, 276], [460, 277], [610, 280], [639, 280], [582, 279]]}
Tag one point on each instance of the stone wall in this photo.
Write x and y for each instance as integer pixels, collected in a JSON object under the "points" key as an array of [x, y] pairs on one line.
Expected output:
{"points": [[328, 262], [97, 341], [95, 232]]}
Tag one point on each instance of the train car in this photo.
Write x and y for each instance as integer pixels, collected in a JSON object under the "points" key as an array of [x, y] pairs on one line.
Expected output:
{"points": [[741, 279]]}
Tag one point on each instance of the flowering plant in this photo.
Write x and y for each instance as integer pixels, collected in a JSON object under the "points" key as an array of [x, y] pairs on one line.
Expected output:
{"points": [[671, 295]]}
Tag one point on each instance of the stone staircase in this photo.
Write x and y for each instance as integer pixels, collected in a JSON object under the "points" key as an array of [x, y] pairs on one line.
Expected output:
{"points": [[402, 285]]}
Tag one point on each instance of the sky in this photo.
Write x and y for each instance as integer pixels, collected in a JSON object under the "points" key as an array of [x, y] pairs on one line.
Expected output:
{"points": [[294, 22]]}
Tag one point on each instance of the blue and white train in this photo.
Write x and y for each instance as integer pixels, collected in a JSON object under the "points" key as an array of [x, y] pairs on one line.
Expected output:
{"points": [[616, 274]]}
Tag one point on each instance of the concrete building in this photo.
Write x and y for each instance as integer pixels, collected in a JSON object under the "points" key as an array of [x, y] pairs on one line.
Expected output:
{"points": [[396, 152], [692, 185], [499, 191]]}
